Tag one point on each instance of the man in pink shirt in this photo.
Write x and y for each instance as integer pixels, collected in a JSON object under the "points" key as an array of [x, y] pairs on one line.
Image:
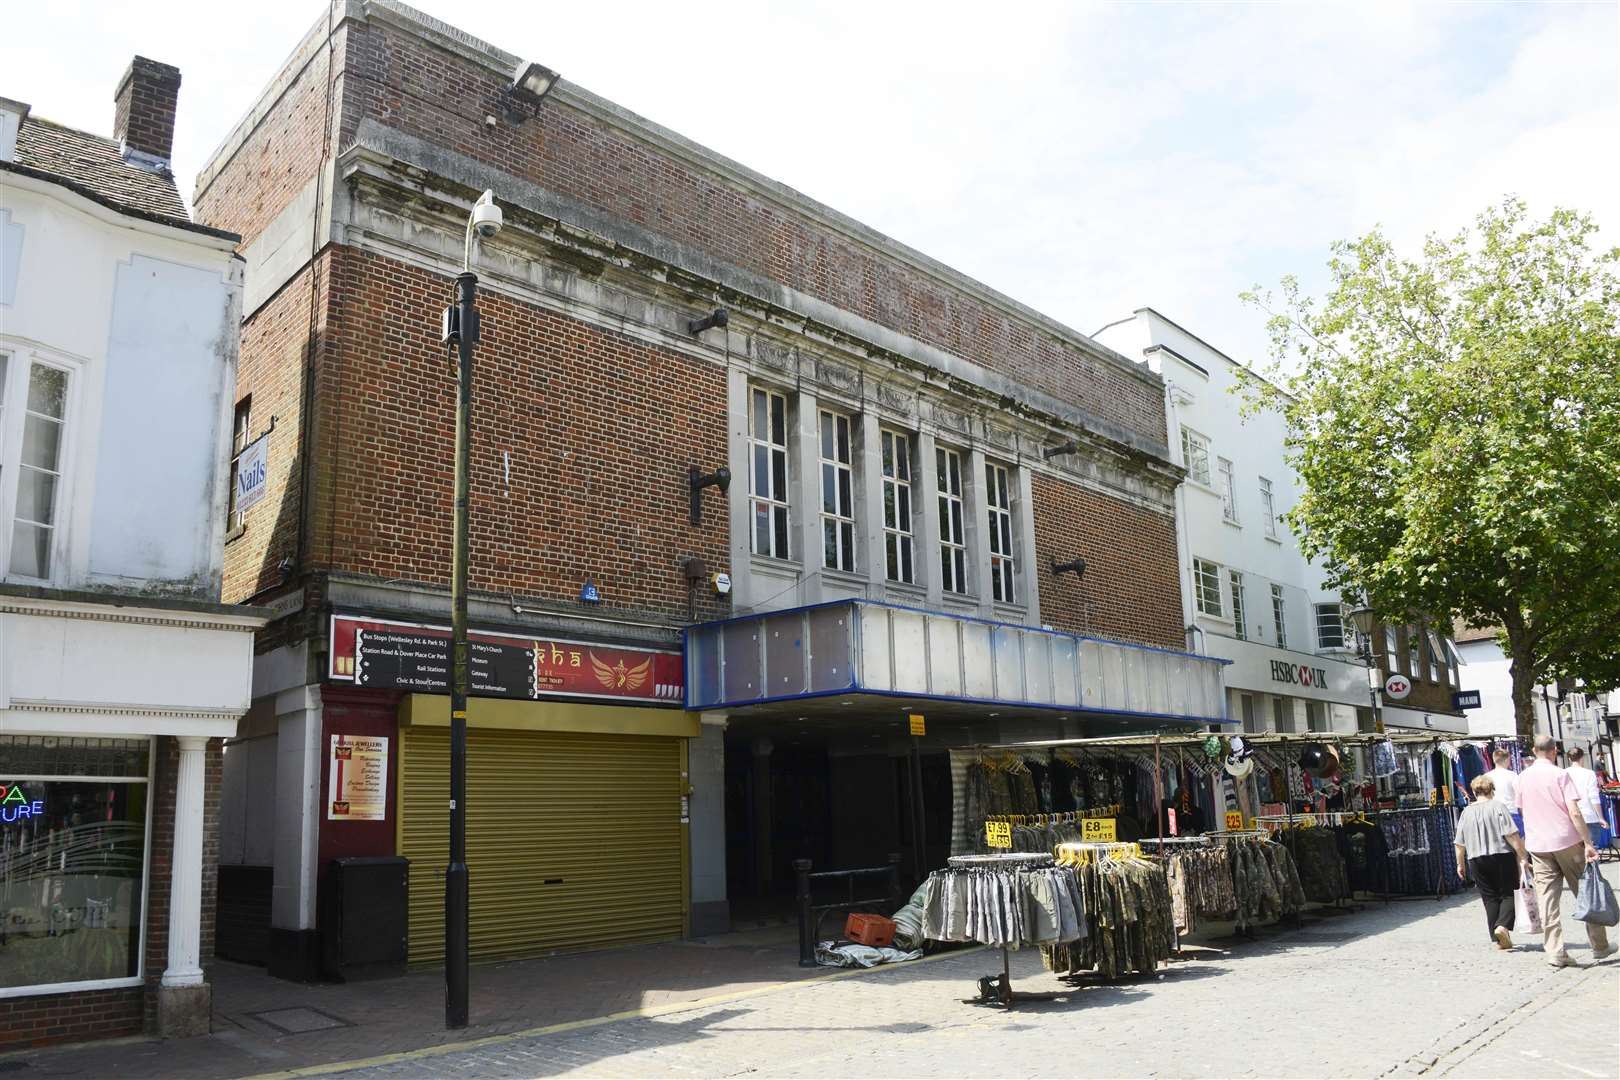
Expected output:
{"points": [[1555, 835]]}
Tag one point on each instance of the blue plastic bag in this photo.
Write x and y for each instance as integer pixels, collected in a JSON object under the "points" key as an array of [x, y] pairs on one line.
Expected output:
{"points": [[1594, 900]]}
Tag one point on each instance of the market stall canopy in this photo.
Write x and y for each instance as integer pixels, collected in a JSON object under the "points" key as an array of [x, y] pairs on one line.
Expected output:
{"points": [[851, 649]]}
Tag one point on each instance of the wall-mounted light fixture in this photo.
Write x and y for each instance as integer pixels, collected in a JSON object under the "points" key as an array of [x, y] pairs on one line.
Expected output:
{"points": [[717, 317], [1076, 566], [1070, 447], [530, 83], [720, 478]]}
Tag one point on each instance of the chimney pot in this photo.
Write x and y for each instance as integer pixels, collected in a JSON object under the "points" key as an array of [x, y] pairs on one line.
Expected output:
{"points": [[143, 120]]}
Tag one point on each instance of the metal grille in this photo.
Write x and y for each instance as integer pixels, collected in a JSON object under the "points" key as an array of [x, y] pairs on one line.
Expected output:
{"points": [[56, 755]]}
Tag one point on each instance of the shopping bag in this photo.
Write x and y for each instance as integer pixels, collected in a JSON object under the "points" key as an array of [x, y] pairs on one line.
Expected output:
{"points": [[1594, 900], [1526, 910]]}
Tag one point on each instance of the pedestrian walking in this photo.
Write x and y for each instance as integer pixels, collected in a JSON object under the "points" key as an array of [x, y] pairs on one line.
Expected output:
{"points": [[1555, 833], [1507, 787], [1586, 790], [1489, 845]]}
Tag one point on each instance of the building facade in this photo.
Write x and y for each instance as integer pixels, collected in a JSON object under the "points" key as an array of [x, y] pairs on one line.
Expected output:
{"points": [[1250, 595], [121, 673], [898, 437]]}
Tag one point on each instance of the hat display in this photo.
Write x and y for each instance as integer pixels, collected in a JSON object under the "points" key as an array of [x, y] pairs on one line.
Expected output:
{"points": [[1239, 767], [1319, 761]]}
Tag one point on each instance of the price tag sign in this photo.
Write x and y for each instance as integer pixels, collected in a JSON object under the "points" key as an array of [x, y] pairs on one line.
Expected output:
{"points": [[998, 834], [1234, 820], [917, 725], [1098, 830], [1305, 821]]}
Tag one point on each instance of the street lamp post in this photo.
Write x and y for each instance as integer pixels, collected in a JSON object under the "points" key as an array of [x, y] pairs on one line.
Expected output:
{"points": [[461, 327], [1366, 621]]}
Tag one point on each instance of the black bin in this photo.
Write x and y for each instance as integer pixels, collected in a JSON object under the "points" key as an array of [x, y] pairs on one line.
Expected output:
{"points": [[365, 931]]}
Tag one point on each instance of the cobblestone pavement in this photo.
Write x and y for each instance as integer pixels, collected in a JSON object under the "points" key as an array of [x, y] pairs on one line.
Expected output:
{"points": [[1412, 988]]}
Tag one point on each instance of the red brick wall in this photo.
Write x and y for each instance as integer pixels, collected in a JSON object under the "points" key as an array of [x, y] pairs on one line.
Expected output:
{"points": [[600, 429], [406, 84], [1131, 583], [99, 1014]]}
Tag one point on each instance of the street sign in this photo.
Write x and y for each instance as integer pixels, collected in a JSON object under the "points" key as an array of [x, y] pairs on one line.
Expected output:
{"points": [[1465, 699], [1098, 829], [917, 725], [1397, 687]]}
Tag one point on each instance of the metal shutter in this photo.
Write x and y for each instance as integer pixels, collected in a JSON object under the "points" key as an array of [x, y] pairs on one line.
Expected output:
{"points": [[573, 840]]}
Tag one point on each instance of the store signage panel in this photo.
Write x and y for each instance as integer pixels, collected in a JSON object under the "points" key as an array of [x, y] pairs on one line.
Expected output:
{"points": [[1465, 699], [1260, 668], [386, 655], [17, 804], [357, 778], [998, 834], [252, 473], [1397, 686], [1102, 830]]}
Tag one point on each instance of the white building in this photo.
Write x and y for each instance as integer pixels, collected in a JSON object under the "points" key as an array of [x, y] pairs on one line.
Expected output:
{"points": [[1251, 596], [119, 669], [1576, 719]]}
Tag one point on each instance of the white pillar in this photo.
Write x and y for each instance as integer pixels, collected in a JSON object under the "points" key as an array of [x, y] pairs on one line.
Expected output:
{"points": [[185, 882]]}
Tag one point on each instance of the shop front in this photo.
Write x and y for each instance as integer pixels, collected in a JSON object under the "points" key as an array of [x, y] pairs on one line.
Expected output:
{"points": [[577, 783], [110, 721], [1284, 691], [834, 718]]}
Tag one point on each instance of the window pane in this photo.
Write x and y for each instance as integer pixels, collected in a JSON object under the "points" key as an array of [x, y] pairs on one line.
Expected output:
{"points": [[781, 521], [75, 857], [5, 361], [1001, 481], [47, 390], [31, 550], [902, 454], [829, 543], [846, 499], [961, 569], [36, 496], [846, 533], [888, 453], [956, 533], [762, 529], [1006, 535], [891, 553], [828, 490], [843, 439], [826, 435], [891, 517], [906, 570], [903, 504], [42, 441], [759, 426], [778, 420], [779, 474], [762, 471]]}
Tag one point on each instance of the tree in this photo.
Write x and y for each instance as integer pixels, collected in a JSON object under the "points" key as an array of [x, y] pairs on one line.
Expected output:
{"points": [[1455, 422]]}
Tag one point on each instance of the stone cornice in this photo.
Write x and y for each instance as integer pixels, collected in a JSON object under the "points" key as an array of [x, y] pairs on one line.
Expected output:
{"points": [[61, 604]]}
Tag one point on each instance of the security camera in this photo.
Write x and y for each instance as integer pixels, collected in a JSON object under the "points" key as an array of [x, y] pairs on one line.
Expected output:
{"points": [[486, 216]]}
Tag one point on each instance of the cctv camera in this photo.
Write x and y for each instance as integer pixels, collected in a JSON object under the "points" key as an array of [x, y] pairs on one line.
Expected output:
{"points": [[486, 216]]}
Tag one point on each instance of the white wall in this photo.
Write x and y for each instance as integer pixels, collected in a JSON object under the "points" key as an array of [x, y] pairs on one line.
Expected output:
{"points": [[144, 318]]}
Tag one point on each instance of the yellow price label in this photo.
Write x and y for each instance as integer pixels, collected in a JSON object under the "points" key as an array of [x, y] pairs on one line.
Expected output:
{"points": [[1305, 821], [917, 725], [1234, 820], [1098, 830], [998, 834]]}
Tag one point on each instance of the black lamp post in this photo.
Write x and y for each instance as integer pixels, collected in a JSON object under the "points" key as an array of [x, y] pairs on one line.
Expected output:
{"points": [[1365, 621]]}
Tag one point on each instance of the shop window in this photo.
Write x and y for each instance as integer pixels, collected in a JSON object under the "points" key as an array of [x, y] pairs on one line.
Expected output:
{"points": [[1207, 587], [998, 498], [1315, 716], [1330, 627], [1268, 508], [1246, 704], [1238, 621], [1279, 615], [897, 505], [1195, 455], [74, 832], [837, 494], [34, 398], [1436, 657], [1282, 714], [1392, 651], [1228, 491], [952, 534], [1453, 662], [768, 473]]}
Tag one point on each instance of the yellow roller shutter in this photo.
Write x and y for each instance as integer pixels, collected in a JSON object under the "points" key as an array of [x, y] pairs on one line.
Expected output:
{"points": [[574, 840]]}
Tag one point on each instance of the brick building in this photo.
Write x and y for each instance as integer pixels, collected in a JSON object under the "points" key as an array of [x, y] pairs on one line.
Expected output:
{"points": [[907, 448], [121, 673]]}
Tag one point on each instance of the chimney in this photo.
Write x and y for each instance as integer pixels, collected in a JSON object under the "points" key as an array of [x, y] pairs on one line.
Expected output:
{"points": [[143, 123]]}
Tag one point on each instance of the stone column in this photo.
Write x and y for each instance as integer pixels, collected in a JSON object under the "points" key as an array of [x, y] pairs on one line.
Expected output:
{"points": [[294, 939], [183, 998]]}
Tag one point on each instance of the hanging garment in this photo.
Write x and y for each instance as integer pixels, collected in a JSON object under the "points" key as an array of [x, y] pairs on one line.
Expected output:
{"points": [[1321, 867], [1130, 921], [1012, 906]]}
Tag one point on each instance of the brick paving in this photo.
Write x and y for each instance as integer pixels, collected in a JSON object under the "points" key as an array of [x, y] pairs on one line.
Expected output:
{"points": [[1407, 989]]}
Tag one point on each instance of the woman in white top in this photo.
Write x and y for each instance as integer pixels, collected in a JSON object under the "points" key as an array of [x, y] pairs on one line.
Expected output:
{"points": [[1489, 845]]}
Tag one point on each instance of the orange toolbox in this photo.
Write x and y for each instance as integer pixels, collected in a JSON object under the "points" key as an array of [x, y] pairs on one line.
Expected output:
{"points": [[872, 930]]}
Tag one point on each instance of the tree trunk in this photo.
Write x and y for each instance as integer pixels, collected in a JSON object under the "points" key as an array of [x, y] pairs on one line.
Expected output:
{"points": [[1523, 673]]}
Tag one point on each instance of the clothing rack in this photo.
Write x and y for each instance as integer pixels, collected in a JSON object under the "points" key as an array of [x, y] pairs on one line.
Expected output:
{"points": [[997, 989], [1029, 859]]}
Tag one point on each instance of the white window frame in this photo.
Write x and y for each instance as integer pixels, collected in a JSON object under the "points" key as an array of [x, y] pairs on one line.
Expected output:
{"points": [[1239, 615], [1279, 614], [20, 363], [1437, 673], [139, 978], [1345, 640], [1195, 455], [1453, 664], [835, 442], [241, 428], [1392, 649], [1414, 653], [1228, 490], [1207, 598], [899, 505], [1268, 508], [952, 508], [998, 501], [775, 502]]}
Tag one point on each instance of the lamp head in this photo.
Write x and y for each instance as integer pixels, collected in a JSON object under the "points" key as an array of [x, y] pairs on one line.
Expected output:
{"points": [[1364, 618], [1076, 566]]}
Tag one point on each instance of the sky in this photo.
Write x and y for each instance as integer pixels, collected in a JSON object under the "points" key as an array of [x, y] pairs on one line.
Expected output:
{"points": [[1086, 159]]}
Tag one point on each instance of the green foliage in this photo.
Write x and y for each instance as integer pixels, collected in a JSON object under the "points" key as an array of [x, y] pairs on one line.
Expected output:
{"points": [[1455, 420]]}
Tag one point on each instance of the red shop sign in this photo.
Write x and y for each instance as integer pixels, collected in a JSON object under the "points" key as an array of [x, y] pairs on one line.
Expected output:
{"points": [[389, 655]]}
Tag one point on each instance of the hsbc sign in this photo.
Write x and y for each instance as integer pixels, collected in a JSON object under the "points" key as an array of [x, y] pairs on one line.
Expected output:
{"points": [[1298, 674]]}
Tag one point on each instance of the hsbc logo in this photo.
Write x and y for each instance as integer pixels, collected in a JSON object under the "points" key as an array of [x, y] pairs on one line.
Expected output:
{"points": [[1397, 686], [1298, 674]]}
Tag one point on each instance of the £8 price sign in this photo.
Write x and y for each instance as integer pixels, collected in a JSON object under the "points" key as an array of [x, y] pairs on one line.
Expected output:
{"points": [[998, 834], [1098, 830]]}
